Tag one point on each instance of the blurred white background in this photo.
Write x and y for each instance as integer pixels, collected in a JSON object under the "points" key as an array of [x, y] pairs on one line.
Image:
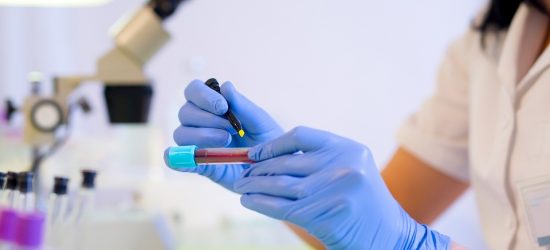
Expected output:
{"points": [[357, 68]]}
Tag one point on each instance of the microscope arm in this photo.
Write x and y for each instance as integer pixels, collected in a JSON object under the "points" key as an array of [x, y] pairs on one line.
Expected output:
{"points": [[136, 42]]}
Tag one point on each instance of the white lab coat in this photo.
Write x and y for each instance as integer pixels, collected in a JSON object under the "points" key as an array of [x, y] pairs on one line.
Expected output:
{"points": [[488, 122]]}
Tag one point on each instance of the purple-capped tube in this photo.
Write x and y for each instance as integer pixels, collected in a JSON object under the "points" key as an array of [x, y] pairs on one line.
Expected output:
{"points": [[30, 231], [8, 227]]}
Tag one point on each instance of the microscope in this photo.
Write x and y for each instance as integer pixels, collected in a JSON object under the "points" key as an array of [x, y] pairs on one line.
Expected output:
{"points": [[127, 92]]}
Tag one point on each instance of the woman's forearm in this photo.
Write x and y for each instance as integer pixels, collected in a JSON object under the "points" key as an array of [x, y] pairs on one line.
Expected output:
{"points": [[456, 246]]}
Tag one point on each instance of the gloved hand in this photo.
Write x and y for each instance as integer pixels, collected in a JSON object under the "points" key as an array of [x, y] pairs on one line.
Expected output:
{"points": [[330, 186], [203, 124]]}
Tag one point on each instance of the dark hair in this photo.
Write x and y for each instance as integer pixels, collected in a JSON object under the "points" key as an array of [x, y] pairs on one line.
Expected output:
{"points": [[501, 12]]}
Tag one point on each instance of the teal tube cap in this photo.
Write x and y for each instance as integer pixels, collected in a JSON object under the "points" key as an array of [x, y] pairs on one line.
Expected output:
{"points": [[180, 157]]}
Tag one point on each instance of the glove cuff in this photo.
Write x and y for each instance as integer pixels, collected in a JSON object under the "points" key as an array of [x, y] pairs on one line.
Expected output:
{"points": [[420, 236]]}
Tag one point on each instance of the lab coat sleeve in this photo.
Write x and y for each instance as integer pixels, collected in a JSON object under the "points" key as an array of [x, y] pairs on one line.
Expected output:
{"points": [[438, 132]]}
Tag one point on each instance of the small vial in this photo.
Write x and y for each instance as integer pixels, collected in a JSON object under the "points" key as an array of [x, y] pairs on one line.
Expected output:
{"points": [[85, 199], [58, 201], [192, 156], [25, 199], [11, 192]]}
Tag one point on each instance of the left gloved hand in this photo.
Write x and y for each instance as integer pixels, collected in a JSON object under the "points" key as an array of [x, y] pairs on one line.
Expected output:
{"points": [[203, 124], [330, 186]]}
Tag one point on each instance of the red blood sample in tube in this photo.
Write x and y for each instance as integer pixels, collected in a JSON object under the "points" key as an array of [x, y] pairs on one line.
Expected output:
{"points": [[207, 156]]}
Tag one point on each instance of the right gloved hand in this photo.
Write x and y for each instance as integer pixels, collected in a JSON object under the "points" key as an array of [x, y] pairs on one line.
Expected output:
{"points": [[203, 124], [330, 186]]}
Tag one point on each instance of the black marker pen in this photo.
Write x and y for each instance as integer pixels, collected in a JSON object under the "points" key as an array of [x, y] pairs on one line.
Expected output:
{"points": [[213, 84]]}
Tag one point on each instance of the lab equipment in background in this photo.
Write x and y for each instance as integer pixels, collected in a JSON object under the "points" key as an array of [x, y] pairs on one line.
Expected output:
{"points": [[128, 91], [214, 85], [25, 199], [127, 95], [192, 156], [58, 202], [8, 223], [30, 231], [11, 189], [85, 199]]}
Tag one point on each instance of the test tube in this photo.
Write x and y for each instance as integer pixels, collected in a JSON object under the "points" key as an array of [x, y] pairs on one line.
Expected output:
{"points": [[25, 200], [11, 189], [85, 200], [192, 156], [59, 201], [29, 233]]}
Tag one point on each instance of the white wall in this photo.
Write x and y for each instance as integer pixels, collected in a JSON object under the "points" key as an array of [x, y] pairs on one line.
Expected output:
{"points": [[357, 68]]}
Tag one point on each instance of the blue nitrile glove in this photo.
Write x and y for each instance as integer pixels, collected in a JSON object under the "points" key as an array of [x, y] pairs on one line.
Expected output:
{"points": [[330, 186], [203, 124]]}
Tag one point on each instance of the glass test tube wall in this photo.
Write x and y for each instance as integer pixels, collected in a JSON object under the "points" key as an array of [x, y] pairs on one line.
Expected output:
{"points": [[212, 156], [192, 156]]}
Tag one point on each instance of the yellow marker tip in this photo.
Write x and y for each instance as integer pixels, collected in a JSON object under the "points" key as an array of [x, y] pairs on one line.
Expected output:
{"points": [[241, 133]]}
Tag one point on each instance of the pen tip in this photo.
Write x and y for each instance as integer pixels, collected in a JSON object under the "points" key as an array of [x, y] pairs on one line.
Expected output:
{"points": [[241, 133]]}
